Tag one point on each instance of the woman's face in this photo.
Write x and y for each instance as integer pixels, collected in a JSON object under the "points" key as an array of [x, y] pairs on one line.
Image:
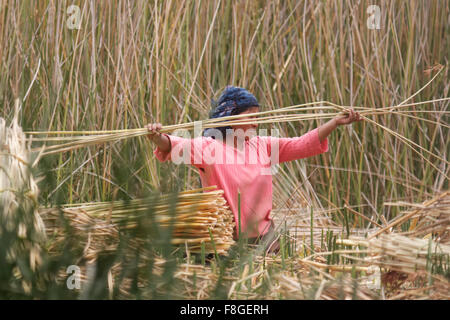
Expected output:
{"points": [[245, 127]]}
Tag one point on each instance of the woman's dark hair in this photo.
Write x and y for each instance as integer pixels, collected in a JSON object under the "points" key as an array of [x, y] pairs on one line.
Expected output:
{"points": [[232, 101]]}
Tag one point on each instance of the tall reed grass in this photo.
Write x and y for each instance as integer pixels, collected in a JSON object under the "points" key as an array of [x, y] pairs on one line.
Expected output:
{"points": [[135, 62]]}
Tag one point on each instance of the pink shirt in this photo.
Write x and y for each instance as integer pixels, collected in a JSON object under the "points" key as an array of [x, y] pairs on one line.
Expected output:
{"points": [[246, 170]]}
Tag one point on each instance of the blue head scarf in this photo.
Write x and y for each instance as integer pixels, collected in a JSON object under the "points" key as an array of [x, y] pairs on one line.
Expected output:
{"points": [[232, 101]]}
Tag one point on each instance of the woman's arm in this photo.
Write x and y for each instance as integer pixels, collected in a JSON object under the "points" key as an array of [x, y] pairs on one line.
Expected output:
{"points": [[327, 128], [178, 149], [289, 149]]}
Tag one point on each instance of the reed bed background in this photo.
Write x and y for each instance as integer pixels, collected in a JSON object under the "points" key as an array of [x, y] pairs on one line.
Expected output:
{"points": [[135, 62]]}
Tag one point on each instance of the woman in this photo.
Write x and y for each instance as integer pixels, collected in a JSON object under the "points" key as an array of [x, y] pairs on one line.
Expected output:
{"points": [[238, 161]]}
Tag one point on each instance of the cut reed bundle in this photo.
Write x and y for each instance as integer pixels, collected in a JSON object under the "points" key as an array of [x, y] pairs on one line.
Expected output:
{"points": [[79, 139], [409, 255], [199, 219], [405, 252]]}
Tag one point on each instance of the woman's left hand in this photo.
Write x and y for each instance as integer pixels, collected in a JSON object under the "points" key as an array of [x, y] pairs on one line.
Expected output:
{"points": [[348, 118]]}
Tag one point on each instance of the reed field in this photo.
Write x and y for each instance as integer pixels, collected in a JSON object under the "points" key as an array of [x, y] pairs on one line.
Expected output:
{"points": [[80, 185]]}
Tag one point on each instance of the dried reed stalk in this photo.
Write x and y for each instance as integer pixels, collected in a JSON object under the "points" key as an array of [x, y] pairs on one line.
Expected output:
{"points": [[19, 219]]}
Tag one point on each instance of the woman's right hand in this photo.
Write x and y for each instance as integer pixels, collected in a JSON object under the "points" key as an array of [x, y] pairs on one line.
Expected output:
{"points": [[153, 130], [161, 140]]}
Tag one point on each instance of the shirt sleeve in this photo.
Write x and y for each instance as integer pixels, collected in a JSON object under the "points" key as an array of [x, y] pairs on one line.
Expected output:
{"points": [[295, 148], [183, 150]]}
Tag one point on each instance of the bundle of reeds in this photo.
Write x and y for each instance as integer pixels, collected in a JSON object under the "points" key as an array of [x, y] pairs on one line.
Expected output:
{"points": [[21, 228], [319, 110], [71, 140], [91, 234], [409, 255], [199, 220]]}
